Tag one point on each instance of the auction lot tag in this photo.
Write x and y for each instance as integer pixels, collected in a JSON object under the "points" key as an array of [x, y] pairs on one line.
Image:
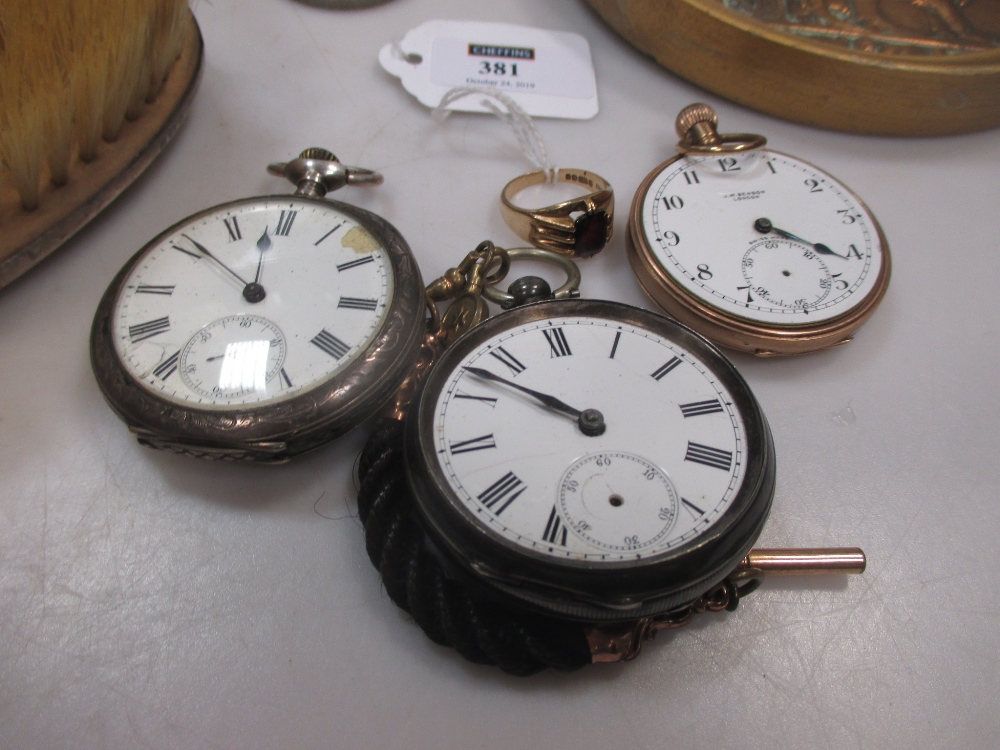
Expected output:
{"points": [[548, 73]]}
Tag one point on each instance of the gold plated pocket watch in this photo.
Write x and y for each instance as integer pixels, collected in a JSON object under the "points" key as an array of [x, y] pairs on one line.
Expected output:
{"points": [[260, 328], [757, 250]]}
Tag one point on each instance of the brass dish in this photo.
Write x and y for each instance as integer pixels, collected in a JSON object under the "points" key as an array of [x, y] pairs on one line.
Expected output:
{"points": [[888, 67]]}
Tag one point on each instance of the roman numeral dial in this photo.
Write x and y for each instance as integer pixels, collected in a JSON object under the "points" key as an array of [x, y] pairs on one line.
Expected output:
{"points": [[504, 491], [699, 408], [505, 420], [555, 530], [163, 289], [357, 303], [256, 302], [706, 455], [558, 345], [513, 363], [329, 344]]}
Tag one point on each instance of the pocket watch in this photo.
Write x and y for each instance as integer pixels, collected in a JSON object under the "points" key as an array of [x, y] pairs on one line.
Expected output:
{"points": [[757, 250], [263, 327], [590, 459], [582, 474]]}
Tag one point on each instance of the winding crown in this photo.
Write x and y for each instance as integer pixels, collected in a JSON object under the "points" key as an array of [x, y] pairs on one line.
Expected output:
{"points": [[692, 115], [318, 153]]}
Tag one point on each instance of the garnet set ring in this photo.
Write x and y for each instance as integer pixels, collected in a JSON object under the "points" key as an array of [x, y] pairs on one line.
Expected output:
{"points": [[579, 227]]}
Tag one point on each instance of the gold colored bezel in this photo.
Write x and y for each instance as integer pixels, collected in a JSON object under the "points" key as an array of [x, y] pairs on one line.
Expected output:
{"points": [[725, 329]]}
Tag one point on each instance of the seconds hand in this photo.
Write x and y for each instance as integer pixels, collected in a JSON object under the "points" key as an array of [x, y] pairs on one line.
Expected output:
{"points": [[590, 421]]}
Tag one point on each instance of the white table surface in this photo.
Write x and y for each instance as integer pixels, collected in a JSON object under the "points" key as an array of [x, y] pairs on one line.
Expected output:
{"points": [[151, 600]]}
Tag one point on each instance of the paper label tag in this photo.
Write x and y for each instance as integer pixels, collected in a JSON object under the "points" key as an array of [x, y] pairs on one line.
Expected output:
{"points": [[548, 73]]}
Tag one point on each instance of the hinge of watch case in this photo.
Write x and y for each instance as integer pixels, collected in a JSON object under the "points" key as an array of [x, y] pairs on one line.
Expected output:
{"points": [[267, 452]]}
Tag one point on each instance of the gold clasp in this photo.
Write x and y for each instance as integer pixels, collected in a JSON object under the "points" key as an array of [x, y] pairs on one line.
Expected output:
{"points": [[472, 274], [464, 286]]}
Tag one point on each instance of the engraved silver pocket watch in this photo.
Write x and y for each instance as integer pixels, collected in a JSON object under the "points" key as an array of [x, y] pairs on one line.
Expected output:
{"points": [[260, 328]]}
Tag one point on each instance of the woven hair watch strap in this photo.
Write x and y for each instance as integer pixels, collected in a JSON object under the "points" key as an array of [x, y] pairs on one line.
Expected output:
{"points": [[520, 643]]}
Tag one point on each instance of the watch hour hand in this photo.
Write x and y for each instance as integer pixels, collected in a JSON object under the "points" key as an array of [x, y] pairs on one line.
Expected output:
{"points": [[590, 421], [254, 291], [263, 244], [765, 226]]}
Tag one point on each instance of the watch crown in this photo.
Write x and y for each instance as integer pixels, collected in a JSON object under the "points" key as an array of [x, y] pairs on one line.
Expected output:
{"points": [[692, 114], [696, 124], [318, 153], [316, 171]]}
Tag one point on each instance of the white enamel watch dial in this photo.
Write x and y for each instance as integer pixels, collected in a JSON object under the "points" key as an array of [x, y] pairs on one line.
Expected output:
{"points": [[531, 474], [680, 449], [699, 217], [760, 251], [183, 325], [263, 327]]}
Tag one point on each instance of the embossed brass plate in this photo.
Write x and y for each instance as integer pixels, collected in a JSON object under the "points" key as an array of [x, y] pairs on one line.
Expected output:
{"points": [[891, 67]]}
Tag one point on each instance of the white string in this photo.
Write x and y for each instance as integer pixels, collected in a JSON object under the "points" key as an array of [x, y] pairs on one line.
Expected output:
{"points": [[516, 118]]}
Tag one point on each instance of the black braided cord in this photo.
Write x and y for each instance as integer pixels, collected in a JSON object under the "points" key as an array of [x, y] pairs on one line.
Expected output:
{"points": [[519, 642]]}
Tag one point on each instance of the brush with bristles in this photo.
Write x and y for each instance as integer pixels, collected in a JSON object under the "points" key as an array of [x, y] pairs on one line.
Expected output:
{"points": [[90, 91]]}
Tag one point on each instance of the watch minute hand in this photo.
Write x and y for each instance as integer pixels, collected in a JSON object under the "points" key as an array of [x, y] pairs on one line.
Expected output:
{"points": [[204, 250], [591, 421]]}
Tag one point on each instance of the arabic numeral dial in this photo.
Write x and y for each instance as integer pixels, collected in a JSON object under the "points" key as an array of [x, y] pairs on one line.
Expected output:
{"points": [[816, 255]]}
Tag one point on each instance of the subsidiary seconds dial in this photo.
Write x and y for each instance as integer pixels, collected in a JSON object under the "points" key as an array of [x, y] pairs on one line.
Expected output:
{"points": [[804, 281]]}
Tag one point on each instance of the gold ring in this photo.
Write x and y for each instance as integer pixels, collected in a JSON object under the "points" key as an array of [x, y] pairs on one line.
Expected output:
{"points": [[580, 227]]}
